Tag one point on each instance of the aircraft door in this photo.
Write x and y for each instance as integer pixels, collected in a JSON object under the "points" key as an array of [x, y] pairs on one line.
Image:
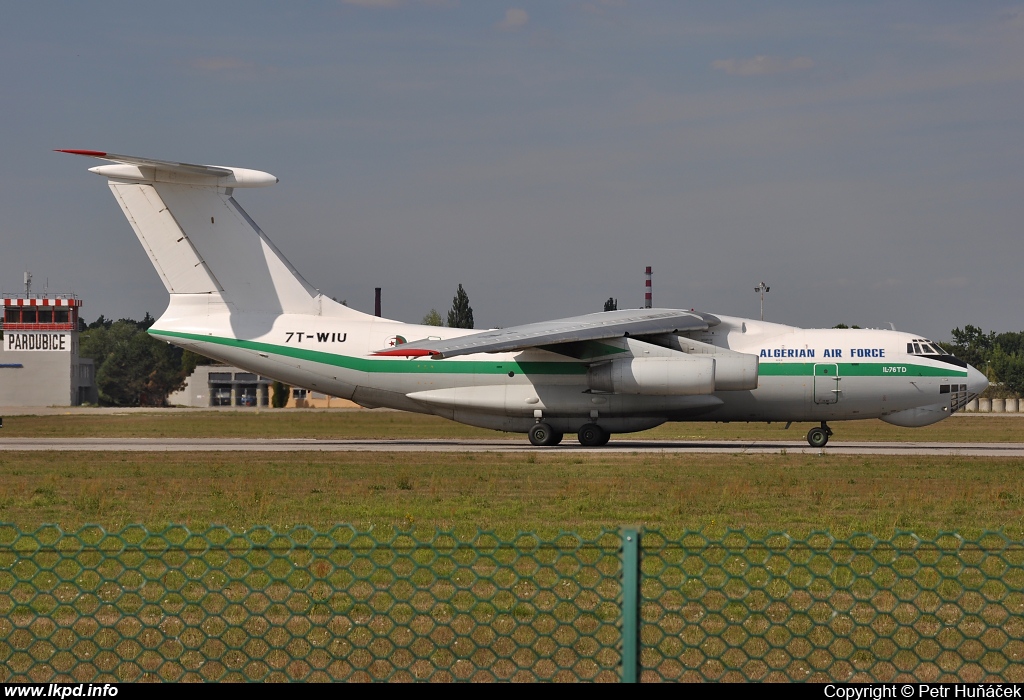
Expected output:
{"points": [[826, 383]]}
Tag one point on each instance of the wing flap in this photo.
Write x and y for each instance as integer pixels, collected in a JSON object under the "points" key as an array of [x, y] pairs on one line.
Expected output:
{"points": [[607, 324]]}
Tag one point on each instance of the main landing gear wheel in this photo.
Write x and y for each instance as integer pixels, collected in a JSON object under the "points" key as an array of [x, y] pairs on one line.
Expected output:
{"points": [[593, 435], [818, 437], [543, 435]]}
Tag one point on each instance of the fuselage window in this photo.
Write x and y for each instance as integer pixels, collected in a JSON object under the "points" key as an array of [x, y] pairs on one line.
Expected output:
{"points": [[917, 349]]}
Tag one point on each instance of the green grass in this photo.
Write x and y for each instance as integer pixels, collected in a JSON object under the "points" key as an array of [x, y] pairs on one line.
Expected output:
{"points": [[853, 619], [269, 424], [545, 491]]}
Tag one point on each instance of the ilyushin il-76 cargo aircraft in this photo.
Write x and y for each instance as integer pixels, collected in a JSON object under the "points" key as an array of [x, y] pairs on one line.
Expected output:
{"points": [[235, 298]]}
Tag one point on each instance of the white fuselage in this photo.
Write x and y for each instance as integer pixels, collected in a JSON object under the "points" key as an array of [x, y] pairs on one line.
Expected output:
{"points": [[236, 298], [803, 374]]}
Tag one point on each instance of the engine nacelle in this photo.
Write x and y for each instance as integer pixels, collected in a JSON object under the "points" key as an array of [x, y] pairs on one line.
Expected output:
{"points": [[683, 375], [735, 371]]}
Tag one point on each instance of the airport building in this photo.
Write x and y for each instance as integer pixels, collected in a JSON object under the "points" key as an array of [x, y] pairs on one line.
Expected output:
{"points": [[223, 385], [39, 362]]}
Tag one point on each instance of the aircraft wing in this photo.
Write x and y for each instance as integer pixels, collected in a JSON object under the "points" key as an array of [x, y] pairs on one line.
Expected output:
{"points": [[607, 324]]}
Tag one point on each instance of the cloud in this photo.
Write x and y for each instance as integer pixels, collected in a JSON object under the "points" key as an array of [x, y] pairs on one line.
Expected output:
{"points": [[600, 7], [219, 64], [888, 283], [762, 65], [1012, 18], [953, 282], [515, 19], [386, 4], [373, 3]]}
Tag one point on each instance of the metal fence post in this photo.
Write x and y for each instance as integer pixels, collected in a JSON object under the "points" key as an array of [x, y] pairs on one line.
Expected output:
{"points": [[630, 604]]}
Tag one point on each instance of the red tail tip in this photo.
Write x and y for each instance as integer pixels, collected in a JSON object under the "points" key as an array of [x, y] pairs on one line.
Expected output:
{"points": [[80, 152]]}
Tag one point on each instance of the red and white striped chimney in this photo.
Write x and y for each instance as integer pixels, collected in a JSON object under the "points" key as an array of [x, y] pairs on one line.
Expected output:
{"points": [[648, 299]]}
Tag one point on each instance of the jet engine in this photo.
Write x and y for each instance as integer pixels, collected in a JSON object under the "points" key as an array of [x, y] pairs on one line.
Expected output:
{"points": [[654, 376]]}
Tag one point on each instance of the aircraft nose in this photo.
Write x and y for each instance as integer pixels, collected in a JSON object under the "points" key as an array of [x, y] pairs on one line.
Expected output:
{"points": [[976, 381]]}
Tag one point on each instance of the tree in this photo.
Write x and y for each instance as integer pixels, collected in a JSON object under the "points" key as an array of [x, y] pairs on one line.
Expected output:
{"points": [[131, 370], [972, 345], [433, 318], [612, 304], [1009, 370], [279, 394], [101, 322], [132, 367], [461, 313]]}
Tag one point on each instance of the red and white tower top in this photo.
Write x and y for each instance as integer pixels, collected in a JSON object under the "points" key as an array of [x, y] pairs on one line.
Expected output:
{"points": [[41, 312]]}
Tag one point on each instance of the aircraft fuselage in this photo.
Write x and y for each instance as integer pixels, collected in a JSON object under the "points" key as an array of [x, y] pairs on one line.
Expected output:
{"points": [[802, 374]]}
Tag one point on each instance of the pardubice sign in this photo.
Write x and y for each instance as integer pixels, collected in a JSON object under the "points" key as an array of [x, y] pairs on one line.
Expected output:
{"points": [[37, 341]]}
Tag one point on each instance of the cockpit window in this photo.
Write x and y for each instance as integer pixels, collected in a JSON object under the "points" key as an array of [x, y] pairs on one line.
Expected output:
{"points": [[920, 346]]}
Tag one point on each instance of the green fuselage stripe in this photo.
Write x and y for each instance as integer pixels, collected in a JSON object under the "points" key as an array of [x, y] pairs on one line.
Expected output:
{"points": [[417, 365], [458, 366], [858, 369]]}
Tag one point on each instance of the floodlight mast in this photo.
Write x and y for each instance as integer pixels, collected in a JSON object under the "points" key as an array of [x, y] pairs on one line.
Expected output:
{"points": [[762, 289]]}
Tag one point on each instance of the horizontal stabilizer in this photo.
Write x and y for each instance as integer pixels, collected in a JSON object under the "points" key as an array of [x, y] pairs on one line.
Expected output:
{"points": [[152, 170]]}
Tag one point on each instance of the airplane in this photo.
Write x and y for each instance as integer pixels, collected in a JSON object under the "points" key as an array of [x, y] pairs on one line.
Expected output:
{"points": [[235, 298]]}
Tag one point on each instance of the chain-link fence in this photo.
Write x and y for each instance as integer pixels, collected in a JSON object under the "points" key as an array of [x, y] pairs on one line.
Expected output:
{"points": [[732, 607], [371, 605]]}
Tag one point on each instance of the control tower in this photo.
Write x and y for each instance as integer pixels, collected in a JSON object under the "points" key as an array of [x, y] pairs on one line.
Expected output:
{"points": [[39, 362]]}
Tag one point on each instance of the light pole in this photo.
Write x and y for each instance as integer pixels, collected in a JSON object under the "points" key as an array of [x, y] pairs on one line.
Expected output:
{"points": [[762, 289]]}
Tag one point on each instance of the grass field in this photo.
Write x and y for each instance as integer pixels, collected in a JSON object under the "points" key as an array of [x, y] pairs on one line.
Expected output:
{"points": [[395, 424], [544, 491], [802, 616]]}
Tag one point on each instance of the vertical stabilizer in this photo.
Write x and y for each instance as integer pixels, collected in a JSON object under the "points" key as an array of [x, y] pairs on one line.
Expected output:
{"points": [[199, 238]]}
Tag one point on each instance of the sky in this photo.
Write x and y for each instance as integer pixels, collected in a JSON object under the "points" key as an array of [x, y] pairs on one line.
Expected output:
{"points": [[864, 159]]}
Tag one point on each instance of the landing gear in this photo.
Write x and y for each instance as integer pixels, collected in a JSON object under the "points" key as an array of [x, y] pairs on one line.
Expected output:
{"points": [[818, 437], [593, 435], [543, 435]]}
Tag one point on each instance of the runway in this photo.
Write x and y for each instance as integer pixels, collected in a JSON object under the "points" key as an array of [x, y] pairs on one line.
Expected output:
{"points": [[963, 449]]}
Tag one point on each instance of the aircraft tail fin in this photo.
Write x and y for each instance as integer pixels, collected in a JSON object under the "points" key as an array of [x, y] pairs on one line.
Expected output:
{"points": [[199, 238]]}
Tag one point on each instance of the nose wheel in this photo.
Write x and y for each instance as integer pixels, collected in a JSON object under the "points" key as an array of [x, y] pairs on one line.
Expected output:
{"points": [[818, 437]]}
